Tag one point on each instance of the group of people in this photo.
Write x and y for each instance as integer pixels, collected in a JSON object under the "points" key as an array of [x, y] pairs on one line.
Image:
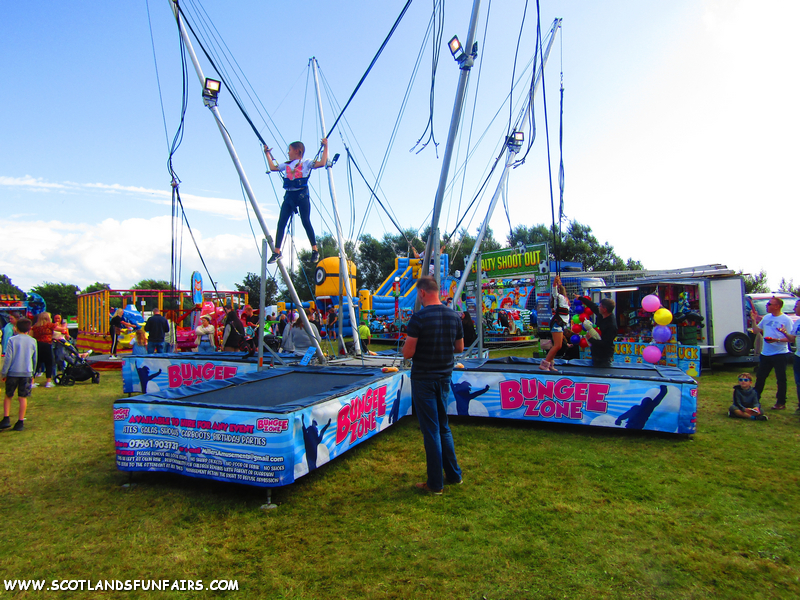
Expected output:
{"points": [[28, 349], [148, 340], [778, 332], [46, 332], [240, 332]]}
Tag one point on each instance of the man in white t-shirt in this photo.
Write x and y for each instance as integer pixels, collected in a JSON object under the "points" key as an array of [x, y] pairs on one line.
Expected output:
{"points": [[792, 335], [775, 354]]}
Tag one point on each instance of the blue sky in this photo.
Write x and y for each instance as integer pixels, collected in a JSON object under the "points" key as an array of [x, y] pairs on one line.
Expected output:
{"points": [[680, 128]]}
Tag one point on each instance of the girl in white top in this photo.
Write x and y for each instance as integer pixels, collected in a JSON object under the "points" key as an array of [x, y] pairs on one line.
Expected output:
{"points": [[557, 324]]}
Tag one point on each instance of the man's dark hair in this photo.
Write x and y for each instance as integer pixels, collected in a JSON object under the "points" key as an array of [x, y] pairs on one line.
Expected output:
{"points": [[24, 325], [608, 304], [428, 284]]}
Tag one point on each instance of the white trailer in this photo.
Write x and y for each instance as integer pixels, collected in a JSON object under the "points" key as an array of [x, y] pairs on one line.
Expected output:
{"points": [[720, 300]]}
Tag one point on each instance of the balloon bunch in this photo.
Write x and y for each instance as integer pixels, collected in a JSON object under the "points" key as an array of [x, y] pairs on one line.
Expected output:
{"points": [[661, 333], [582, 326]]}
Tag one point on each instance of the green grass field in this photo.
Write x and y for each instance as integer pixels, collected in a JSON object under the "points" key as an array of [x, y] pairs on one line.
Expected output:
{"points": [[545, 511]]}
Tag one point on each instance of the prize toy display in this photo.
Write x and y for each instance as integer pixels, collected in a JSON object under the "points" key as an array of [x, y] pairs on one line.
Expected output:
{"points": [[582, 327]]}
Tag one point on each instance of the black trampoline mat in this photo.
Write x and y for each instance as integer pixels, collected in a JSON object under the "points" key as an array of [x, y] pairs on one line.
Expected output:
{"points": [[289, 388]]}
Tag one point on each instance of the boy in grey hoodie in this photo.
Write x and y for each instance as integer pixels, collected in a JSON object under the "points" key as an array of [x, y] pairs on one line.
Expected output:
{"points": [[745, 400], [18, 368]]}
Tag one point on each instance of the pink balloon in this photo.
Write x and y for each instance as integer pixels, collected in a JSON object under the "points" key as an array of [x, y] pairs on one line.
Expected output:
{"points": [[652, 354], [651, 303]]}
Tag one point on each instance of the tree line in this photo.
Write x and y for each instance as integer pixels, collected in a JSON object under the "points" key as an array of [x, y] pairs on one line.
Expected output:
{"points": [[375, 258]]}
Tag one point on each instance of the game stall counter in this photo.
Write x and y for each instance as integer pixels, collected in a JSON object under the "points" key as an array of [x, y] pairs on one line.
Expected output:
{"points": [[637, 330], [655, 398], [263, 429], [629, 351], [684, 357]]}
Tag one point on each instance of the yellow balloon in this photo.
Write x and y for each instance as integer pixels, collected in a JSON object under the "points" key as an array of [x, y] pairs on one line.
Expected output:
{"points": [[663, 316]]}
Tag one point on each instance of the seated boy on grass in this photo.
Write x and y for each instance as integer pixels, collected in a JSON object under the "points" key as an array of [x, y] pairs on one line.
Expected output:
{"points": [[745, 400]]}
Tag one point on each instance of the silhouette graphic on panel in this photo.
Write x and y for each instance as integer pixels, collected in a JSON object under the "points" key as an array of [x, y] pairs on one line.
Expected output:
{"points": [[145, 377], [463, 393], [312, 438], [637, 415], [394, 414]]}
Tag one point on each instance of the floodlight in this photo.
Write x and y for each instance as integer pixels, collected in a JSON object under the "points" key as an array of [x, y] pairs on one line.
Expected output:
{"points": [[515, 140], [211, 89], [455, 48]]}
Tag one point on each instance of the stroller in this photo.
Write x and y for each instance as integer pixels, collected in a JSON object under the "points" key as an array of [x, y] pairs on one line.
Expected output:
{"points": [[76, 369]]}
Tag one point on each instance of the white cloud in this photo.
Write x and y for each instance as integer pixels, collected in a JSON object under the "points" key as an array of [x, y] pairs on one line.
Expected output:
{"points": [[231, 208], [117, 252]]}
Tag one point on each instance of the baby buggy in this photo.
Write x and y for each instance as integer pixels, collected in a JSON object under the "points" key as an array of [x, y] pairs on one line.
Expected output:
{"points": [[76, 368]]}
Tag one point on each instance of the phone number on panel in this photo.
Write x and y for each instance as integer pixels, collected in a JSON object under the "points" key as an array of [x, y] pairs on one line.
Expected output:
{"points": [[158, 444]]}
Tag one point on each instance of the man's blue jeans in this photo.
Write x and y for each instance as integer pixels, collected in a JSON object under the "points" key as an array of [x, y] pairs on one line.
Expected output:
{"points": [[797, 377], [765, 366], [205, 347], [155, 347], [429, 399]]}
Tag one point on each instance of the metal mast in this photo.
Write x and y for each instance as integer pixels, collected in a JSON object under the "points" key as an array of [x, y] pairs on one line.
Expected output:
{"points": [[344, 265], [432, 246], [510, 159]]}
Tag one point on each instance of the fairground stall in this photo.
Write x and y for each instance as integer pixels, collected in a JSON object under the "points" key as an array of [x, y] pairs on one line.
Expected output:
{"points": [[180, 307], [502, 295]]}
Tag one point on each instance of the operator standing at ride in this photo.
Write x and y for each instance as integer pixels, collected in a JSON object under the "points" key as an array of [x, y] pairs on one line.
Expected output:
{"points": [[295, 173], [775, 354], [602, 347], [434, 336]]}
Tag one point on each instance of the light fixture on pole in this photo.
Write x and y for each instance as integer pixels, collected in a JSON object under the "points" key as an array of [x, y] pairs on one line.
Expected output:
{"points": [[455, 49], [515, 140], [211, 89]]}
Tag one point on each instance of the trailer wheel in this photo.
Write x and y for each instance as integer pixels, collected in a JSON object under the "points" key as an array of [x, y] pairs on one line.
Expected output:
{"points": [[737, 344]]}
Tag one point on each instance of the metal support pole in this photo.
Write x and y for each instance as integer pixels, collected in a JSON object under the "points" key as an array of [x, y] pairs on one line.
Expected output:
{"points": [[262, 319], [479, 305], [510, 159], [344, 265], [246, 183], [432, 247]]}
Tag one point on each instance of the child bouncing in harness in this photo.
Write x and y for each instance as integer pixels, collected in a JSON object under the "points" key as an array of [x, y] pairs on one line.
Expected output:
{"points": [[295, 173], [557, 323]]}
